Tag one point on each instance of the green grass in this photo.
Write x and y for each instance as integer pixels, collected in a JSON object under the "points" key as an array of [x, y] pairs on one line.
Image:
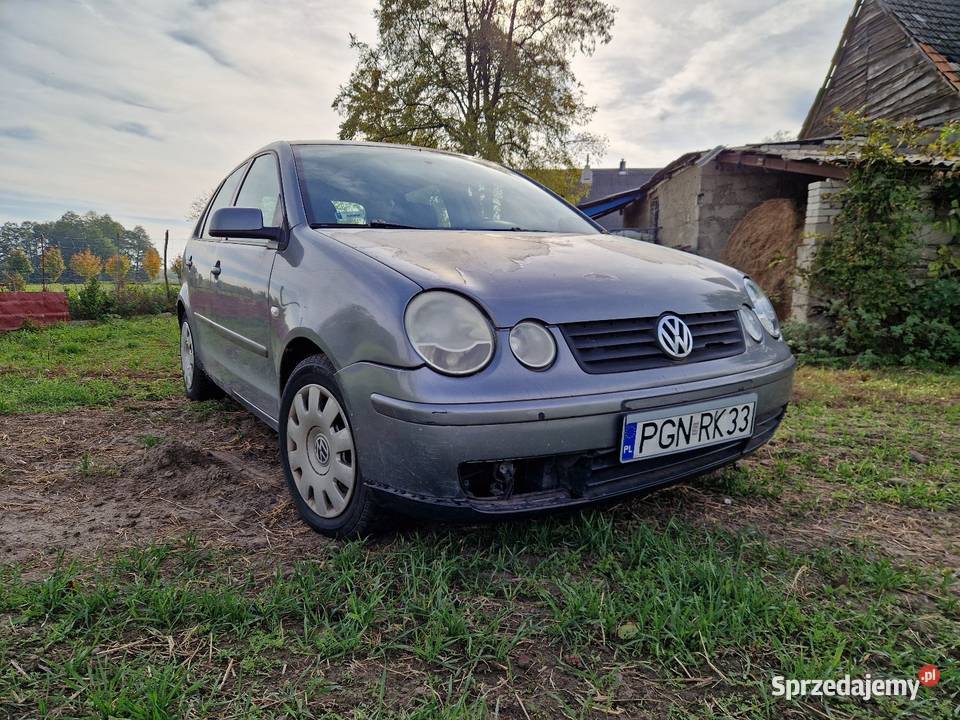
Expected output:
{"points": [[600, 602], [605, 613], [889, 436], [83, 365]]}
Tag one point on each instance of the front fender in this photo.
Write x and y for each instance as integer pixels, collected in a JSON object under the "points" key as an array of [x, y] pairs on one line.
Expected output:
{"points": [[348, 304]]}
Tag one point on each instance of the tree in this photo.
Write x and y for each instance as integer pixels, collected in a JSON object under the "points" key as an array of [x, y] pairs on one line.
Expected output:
{"points": [[86, 264], [177, 267], [18, 262], [490, 78], [16, 235], [117, 267], [135, 245], [16, 268], [152, 263], [53, 265]]}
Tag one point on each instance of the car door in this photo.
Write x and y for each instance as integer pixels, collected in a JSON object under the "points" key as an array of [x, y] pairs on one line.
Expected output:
{"points": [[199, 258], [241, 312]]}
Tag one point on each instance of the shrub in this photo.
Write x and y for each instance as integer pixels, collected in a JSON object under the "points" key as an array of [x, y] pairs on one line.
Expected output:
{"points": [[92, 302], [881, 310], [142, 300]]}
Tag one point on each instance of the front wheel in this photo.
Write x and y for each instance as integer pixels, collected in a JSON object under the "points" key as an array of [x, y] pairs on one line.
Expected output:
{"points": [[196, 383], [319, 455]]}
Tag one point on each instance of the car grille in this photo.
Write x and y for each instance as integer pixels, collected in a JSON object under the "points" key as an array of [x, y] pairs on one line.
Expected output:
{"points": [[609, 346]]}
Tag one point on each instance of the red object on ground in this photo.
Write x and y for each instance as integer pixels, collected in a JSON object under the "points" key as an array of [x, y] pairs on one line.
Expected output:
{"points": [[42, 308]]}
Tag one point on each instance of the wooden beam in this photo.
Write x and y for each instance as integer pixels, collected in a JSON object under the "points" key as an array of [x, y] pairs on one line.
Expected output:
{"points": [[772, 162]]}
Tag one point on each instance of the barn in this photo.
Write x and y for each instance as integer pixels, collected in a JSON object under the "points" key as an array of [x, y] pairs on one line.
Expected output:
{"points": [[763, 206]]}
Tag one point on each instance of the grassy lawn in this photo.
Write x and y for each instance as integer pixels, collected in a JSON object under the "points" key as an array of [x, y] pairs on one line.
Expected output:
{"points": [[681, 605], [86, 365]]}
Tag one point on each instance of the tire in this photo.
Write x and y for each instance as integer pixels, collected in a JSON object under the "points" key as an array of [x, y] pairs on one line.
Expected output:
{"points": [[318, 453], [196, 383]]}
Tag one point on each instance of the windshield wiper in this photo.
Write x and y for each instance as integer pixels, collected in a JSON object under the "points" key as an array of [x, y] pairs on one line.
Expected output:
{"points": [[371, 224], [393, 226]]}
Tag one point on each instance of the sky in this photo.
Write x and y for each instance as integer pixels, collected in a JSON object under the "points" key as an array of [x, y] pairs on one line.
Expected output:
{"points": [[135, 107]]}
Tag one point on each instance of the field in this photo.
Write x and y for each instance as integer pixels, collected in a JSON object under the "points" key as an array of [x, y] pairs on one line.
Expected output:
{"points": [[151, 565]]}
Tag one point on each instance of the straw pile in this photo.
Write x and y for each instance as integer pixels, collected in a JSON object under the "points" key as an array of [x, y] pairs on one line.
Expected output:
{"points": [[764, 245]]}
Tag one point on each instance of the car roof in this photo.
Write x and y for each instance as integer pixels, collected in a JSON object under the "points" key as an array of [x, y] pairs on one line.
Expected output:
{"points": [[365, 143]]}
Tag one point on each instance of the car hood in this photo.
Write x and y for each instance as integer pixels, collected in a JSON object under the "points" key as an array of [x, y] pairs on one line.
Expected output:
{"points": [[556, 278]]}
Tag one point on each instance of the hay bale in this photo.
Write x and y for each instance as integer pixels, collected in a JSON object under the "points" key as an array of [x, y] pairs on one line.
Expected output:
{"points": [[764, 245]]}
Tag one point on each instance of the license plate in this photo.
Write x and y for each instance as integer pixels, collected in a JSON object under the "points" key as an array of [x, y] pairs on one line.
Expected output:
{"points": [[661, 432]]}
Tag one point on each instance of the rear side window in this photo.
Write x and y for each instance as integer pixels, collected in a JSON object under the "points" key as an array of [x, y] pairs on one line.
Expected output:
{"points": [[224, 196], [261, 189]]}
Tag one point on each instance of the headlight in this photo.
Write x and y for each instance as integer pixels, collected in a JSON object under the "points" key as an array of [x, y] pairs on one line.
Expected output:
{"points": [[449, 332], [751, 322], [533, 345], [763, 307]]}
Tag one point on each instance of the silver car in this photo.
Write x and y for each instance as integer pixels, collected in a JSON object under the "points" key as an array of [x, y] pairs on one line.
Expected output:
{"points": [[434, 334]]}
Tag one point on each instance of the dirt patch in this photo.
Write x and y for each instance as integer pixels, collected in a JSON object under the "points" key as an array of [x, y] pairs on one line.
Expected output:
{"points": [[95, 479], [91, 479]]}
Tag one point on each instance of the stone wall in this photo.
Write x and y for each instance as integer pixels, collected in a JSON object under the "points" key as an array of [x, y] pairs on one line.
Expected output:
{"points": [[728, 192], [823, 207], [678, 213]]}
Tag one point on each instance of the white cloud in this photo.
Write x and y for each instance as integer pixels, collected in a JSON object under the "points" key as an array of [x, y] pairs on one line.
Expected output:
{"points": [[136, 107], [682, 75]]}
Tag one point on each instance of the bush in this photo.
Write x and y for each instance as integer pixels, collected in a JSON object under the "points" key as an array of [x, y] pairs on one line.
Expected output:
{"points": [[881, 310], [92, 302], [143, 300]]}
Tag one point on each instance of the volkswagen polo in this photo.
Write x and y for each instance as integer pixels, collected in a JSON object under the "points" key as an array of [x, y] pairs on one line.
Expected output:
{"points": [[431, 333]]}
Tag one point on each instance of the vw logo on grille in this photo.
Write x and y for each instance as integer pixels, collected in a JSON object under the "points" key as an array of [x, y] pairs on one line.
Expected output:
{"points": [[674, 337]]}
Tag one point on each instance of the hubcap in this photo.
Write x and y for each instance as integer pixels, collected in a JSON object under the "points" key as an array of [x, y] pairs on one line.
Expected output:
{"points": [[320, 451], [186, 354]]}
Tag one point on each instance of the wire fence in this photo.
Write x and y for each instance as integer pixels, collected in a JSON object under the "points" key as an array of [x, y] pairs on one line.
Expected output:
{"points": [[40, 275]]}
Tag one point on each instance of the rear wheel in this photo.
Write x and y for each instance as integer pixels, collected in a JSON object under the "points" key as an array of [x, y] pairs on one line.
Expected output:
{"points": [[319, 455], [196, 383]]}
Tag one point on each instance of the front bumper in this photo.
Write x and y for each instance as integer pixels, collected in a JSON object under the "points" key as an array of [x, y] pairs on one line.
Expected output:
{"points": [[416, 456]]}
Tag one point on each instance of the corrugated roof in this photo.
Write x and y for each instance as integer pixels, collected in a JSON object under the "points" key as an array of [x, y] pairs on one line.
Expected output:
{"points": [[831, 151], [609, 181]]}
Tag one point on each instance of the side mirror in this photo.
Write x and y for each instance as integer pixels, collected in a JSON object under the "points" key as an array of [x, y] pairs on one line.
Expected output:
{"points": [[238, 222]]}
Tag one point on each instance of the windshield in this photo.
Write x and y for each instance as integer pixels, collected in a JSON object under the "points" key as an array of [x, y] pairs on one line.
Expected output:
{"points": [[365, 186]]}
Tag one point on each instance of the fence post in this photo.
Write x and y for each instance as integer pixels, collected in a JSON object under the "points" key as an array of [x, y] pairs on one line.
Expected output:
{"points": [[118, 266], [166, 282], [43, 265]]}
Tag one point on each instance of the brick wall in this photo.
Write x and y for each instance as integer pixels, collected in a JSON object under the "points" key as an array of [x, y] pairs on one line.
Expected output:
{"points": [[823, 206]]}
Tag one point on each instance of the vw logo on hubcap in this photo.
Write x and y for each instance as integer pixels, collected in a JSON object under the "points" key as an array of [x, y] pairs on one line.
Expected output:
{"points": [[674, 337], [323, 450]]}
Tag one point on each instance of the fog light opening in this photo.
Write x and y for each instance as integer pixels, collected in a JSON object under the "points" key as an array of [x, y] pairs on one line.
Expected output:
{"points": [[504, 474]]}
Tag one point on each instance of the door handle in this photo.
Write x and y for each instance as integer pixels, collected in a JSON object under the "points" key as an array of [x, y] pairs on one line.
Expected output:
{"points": [[189, 262], [215, 270]]}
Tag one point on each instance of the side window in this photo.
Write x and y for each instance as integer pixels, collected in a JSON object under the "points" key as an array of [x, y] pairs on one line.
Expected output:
{"points": [[261, 189], [223, 197]]}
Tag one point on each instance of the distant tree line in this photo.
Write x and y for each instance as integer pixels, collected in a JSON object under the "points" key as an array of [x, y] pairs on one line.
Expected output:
{"points": [[74, 248]]}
